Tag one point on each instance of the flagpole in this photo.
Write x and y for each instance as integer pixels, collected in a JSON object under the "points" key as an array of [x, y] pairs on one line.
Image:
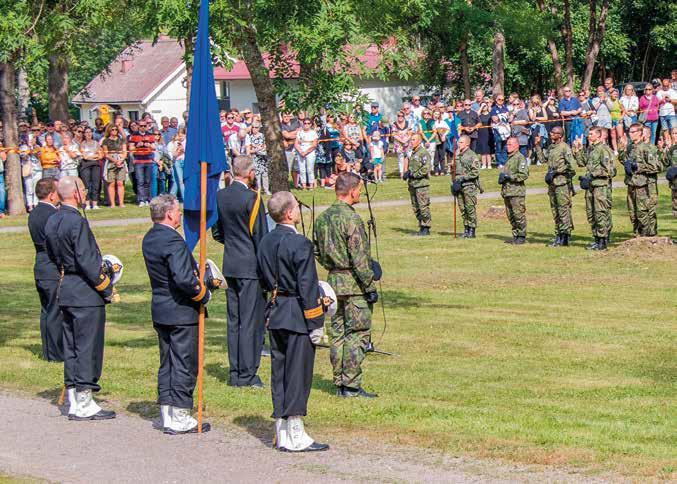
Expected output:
{"points": [[201, 317]]}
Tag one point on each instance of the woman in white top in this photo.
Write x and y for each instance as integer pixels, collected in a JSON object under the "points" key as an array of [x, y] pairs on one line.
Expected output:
{"points": [[630, 102], [441, 129], [69, 153], [177, 150], [305, 145]]}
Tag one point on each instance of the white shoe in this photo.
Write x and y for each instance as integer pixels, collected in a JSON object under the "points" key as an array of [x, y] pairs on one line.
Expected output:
{"points": [[72, 401], [181, 422], [85, 406], [165, 416], [280, 433], [96, 207], [297, 438]]}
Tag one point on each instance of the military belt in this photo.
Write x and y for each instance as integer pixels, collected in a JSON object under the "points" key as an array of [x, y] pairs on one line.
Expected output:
{"points": [[341, 270]]}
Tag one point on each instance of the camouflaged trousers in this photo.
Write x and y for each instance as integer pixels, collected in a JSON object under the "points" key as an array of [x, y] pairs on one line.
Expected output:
{"points": [[516, 211], [467, 202], [674, 202], [598, 210], [420, 203], [560, 204], [642, 203], [350, 332]]}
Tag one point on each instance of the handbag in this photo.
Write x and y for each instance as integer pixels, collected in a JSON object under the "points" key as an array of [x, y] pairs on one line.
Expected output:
{"points": [[27, 168], [643, 115]]}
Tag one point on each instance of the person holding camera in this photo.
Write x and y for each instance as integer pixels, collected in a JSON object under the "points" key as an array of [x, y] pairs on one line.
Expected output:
{"points": [[342, 247]]}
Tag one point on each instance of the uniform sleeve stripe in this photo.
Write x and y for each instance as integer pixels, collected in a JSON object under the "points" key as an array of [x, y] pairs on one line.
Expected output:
{"points": [[103, 285], [255, 213], [201, 294], [313, 313]]}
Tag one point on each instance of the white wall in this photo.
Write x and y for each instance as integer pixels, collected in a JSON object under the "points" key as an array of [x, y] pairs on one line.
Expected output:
{"points": [[388, 94], [170, 101], [242, 94], [89, 115]]}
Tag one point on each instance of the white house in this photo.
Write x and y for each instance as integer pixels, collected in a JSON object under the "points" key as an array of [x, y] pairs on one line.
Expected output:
{"points": [[151, 78]]}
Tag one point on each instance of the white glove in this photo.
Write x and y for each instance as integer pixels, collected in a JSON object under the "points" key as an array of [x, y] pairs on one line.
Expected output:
{"points": [[316, 335]]}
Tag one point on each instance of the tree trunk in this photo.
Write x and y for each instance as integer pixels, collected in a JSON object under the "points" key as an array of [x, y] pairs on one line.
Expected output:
{"points": [[465, 68], [15, 202], [265, 95], [568, 38], [498, 71], [595, 38], [57, 84], [24, 94], [554, 54]]}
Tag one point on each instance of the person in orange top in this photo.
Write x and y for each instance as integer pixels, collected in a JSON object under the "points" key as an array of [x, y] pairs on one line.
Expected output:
{"points": [[49, 158]]}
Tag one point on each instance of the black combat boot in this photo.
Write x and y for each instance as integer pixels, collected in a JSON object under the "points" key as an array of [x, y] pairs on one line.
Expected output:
{"points": [[594, 245], [565, 240], [471, 232], [424, 231], [520, 240], [602, 244], [465, 232], [558, 241]]}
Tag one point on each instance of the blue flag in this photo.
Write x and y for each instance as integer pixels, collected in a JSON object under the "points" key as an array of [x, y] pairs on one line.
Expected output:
{"points": [[204, 141]]}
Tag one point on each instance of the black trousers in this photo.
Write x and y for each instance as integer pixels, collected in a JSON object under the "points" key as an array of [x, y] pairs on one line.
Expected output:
{"points": [[440, 158], [292, 360], [246, 330], [83, 337], [91, 177], [178, 364], [51, 320]]}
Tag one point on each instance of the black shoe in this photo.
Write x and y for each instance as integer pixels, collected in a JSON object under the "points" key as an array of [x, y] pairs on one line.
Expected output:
{"points": [[466, 233], [205, 428], [595, 244], [511, 241], [100, 415], [557, 242], [256, 385], [424, 232], [565, 240], [471, 232], [520, 240], [314, 447], [357, 393], [602, 244]]}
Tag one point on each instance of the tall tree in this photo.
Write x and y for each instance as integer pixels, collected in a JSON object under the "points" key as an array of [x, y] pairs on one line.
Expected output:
{"points": [[568, 39], [596, 30], [498, 71], [552, 45]]}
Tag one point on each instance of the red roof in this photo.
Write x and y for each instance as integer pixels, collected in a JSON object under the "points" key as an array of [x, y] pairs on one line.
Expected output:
{"points": [[135, 74], [239, 70]]}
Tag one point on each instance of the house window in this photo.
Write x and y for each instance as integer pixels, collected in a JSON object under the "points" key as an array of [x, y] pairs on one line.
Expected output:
{"points": [[133, 115], [223, 94]]}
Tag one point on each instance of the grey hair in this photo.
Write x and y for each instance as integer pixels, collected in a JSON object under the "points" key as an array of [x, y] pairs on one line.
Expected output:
{"points": [[160, 205], [242, 165], [279, 204]]}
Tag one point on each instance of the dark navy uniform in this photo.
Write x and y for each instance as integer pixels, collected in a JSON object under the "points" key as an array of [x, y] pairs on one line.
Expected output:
{"points": [[46, 281], [177, 293], [287, 262], [82, 293], [240, 228]]}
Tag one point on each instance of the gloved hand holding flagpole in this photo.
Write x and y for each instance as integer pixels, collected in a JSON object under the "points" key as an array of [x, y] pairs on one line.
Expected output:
{"points": [[205, 161]]}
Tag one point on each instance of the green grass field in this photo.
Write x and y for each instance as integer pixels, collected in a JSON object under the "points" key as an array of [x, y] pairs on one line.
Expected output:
{"points": [[530, 354]]}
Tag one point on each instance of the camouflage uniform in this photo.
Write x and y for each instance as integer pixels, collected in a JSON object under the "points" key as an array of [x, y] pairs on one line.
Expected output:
{"points": [[561, 165], [671, 160], [514, 193], [642, 188], [599, 165], [468, 173], [342, 247], [419, 185]]}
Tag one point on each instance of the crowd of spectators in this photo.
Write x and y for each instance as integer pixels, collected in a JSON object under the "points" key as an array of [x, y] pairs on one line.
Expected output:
{"points": [[318, 147]]}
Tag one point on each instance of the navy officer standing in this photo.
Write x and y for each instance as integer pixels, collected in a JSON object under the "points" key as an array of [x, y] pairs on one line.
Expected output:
{"points": [[295, 320], [46, 274], [240, 228], [83, 291], [177, 295]]}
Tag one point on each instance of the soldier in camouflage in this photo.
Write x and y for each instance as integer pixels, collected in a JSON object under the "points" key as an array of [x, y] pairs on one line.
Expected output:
{"points": [[670, 163], [641, 164], [560, 171], [342, 247], [417, 175], [466, 185], [512, 177], [599, 165]]}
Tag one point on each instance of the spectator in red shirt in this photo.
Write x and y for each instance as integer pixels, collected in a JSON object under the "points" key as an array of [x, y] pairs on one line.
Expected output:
{"points": [[229, 128], [142, 146]]}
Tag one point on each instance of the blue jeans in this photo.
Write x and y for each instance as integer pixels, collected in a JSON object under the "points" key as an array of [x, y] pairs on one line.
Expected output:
{"points": [[177, 180], [3, 192], [501, 149], [654, 126], [144, 175], [153, 181]]}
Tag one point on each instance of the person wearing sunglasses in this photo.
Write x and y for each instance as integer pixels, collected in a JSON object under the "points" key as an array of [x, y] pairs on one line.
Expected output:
{"points": [[306, 146]]}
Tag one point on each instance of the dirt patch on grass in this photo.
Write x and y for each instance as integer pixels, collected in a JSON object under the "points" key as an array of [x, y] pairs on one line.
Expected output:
{"points": [[646, 247], [494, 212]]}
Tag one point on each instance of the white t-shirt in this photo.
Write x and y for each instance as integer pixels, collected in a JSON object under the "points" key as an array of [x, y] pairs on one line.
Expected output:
{"points": [[630, 103], [306, 138], [376, 149], [666, 109], [237, 144], [418, 112]]}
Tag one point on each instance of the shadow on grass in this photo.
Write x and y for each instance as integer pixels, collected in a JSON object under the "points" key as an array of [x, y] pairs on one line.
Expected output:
{"points": [[219, 372], [145, 342], [404, 231], [324, 385], [258, 427], [145, 409], [401, 299]]}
